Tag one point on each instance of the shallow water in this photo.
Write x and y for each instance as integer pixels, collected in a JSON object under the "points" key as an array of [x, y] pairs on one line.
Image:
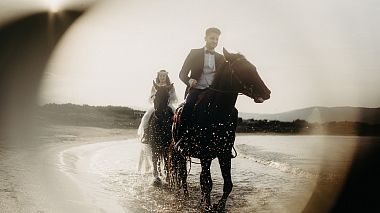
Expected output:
{"points": [[270, 174]]}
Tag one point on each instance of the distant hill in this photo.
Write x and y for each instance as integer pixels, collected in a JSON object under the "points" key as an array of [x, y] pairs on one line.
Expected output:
{"points": [[322, 115], [331, 121], [85, 115]]}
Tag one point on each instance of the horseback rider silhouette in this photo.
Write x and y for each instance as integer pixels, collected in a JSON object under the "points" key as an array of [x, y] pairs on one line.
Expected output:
{"points": [[202, 65], [162, 79], [205, 126]]}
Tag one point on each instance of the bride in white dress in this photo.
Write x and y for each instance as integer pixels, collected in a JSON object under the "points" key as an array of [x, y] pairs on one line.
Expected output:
{"points": [[162, 79]]}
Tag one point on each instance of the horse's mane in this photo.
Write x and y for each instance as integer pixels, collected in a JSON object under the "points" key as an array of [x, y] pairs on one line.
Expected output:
{"points": [[227, 83], [220, 74], [219, 93]]}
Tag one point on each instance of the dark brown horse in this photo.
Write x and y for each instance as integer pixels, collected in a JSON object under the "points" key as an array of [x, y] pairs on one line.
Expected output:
{"points": [[159, 130], [212, 132]]}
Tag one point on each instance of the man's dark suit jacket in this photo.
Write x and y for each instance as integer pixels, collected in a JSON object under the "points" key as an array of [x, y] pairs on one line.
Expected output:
{"points": [[194, 64]]}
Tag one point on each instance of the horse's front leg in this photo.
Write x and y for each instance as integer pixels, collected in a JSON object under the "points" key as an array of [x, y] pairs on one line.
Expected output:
{"points": [[159, 162], [225, 167], [206, 183], [183, 175], [155, 162], [157, 181], [167, 166]]}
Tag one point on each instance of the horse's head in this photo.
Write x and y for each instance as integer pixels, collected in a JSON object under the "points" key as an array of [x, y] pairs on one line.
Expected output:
{"points": [[162, 95], [245, 77]]}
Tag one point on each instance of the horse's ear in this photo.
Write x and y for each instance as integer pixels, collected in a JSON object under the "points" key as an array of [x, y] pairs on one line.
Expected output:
{"points": [[226, 54], [155, 85], [169, 87]]}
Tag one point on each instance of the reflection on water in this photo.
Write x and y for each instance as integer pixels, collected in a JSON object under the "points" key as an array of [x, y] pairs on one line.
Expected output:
{"points": [[270, 174]]}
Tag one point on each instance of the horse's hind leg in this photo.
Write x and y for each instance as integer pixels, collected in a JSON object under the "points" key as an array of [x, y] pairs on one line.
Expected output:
{"points": [[206, 183], [225, 167]]}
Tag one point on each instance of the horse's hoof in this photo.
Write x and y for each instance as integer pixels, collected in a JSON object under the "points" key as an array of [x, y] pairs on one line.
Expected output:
{"points": [[209, 209], [157, 182], [204, 208], [219, 208], [186, 195], [165, 185]]}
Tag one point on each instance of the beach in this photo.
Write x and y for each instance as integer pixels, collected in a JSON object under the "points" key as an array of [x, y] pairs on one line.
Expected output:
{"points": [[37, 177], [87, 169]]}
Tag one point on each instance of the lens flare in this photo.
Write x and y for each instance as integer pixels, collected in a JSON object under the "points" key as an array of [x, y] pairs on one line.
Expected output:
{"points": [[54, 6]]}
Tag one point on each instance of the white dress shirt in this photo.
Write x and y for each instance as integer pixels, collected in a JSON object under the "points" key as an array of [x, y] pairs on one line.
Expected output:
{"points": [[208, 74]]}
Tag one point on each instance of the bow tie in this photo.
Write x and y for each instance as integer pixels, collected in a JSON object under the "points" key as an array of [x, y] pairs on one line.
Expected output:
{"points": [[212, 52]]}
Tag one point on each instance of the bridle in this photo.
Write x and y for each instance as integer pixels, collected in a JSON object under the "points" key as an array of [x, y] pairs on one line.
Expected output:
{"points": [[155, 109], [233, 75]]}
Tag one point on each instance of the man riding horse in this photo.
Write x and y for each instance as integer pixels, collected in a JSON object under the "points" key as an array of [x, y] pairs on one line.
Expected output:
{"points": [[204, 127], [202, 65]]}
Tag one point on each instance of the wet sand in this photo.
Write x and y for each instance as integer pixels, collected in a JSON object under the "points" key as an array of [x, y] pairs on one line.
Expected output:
{"points": [[86, 169], [38, 177]]}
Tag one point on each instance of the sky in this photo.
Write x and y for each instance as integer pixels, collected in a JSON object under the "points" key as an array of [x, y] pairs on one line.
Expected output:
{"points": [[309, 53]]}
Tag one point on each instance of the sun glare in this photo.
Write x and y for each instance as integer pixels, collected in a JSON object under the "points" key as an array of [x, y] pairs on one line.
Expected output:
{"points": [[54, 5]]}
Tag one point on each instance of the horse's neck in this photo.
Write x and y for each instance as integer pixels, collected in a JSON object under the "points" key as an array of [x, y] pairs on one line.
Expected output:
{"points": [[225, 103], [224, 99], [163, 115]]}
